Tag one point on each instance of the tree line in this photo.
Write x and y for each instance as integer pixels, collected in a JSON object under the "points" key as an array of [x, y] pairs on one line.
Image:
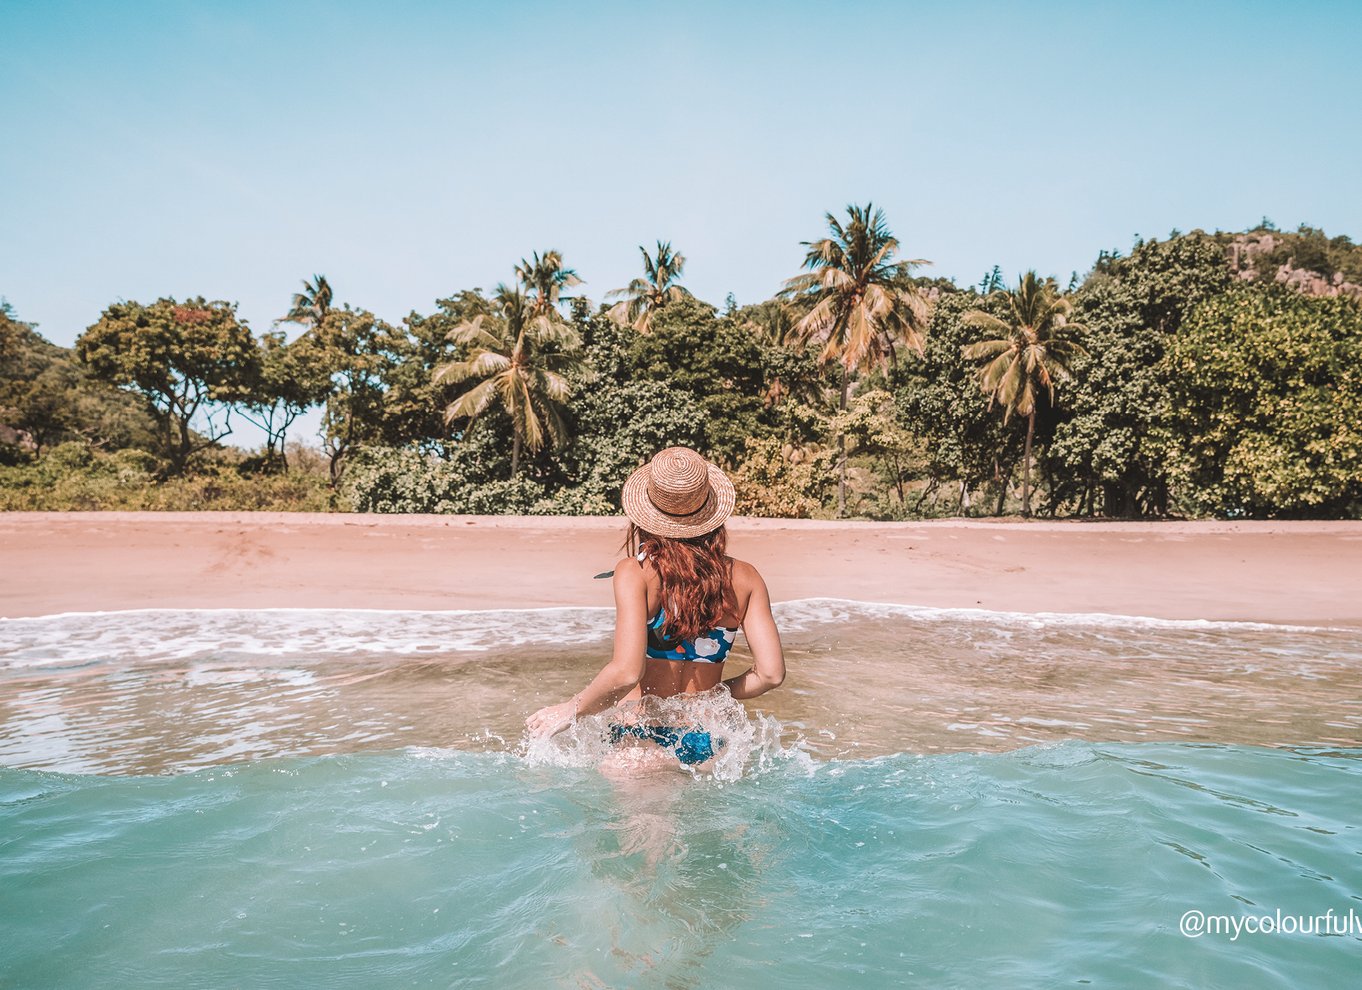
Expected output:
{"points": [[1188, 378]]}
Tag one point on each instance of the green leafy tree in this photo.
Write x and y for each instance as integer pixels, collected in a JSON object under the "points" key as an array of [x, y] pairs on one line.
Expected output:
{"points": [[286, 383], [1265, 405], [716, 363], [520, 360], [352, 349], [1111, 452], [643, 298], [188, 360], [619, 417], [36, 409], [61, 401], [615, 429], [13, 333], [937, 398], [872, 426], [1035, 346], [860, 305]]}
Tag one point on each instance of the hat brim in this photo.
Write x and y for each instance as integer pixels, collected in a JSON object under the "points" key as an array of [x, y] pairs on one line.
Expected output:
{"points": [[714, 513]]}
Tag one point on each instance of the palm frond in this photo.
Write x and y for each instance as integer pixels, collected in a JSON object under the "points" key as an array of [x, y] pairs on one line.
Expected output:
{"points": [[985, 349], [472, 402], [979, 320], [859, 310]]}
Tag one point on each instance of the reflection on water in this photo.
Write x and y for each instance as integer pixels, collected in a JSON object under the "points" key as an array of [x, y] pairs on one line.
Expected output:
{"points": [[685, 872], [167, 691]]}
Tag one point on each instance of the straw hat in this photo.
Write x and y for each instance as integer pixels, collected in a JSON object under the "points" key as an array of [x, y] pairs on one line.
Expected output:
{"points": [[678, 494]]}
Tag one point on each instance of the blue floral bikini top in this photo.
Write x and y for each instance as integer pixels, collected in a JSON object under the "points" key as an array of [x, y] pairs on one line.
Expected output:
{"points": [[712, 647]]}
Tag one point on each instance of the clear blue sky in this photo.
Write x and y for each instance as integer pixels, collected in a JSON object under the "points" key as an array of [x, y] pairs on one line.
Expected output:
{"points": [[407, 150]]}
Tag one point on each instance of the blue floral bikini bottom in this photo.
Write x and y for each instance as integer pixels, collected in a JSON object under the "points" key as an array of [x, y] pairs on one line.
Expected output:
{"points": [[691, 747]]}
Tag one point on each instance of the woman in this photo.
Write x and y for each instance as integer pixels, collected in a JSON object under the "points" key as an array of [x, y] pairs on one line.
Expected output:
{"points": [[679, 602]]}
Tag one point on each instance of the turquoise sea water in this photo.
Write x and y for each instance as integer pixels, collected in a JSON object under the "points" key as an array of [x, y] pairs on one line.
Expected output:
{"points": [[1068, 862], [1058, 865]]}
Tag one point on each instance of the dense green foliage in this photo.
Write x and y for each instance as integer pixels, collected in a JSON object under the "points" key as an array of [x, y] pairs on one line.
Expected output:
{"points": [[1205, 374], [1110, 451], [75, 476], [1265, 405], [183, 358], [47, 397], [967, 448]]}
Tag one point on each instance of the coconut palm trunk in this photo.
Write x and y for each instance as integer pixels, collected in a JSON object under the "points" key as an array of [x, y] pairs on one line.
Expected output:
{"points": [[515, 455], [859, 305], [1035, 346], [842, 451]]}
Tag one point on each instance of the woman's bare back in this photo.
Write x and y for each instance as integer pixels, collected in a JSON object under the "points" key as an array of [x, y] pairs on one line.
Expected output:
{"points": [[665, 678]]}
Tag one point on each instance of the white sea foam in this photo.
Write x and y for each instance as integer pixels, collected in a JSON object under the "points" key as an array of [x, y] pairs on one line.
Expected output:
{"points": [[80, 638], [74, 639], [811, 612]]}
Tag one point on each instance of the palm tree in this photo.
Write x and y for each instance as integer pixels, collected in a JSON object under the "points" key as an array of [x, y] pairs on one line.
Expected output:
{"points": [[859, 304], [771, 321], [544, 279], [312, 304], [643, 297], [521, 359], [1033, 348]]}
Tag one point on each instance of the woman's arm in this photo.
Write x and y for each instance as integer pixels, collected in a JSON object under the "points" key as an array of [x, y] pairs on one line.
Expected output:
{"points": [[625, 669], [768, 659]]}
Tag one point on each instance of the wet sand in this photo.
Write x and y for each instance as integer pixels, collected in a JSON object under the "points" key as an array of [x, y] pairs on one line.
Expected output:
{"points": [[1284, 572]]}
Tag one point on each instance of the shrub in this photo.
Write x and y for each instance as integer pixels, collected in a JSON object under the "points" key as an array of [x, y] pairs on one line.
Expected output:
{"points": [[73, 477], [779, 481], [397, 479], [403, 479]]}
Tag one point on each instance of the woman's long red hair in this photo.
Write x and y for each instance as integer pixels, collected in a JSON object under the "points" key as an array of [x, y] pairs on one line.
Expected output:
{"points": [[697, 578]]}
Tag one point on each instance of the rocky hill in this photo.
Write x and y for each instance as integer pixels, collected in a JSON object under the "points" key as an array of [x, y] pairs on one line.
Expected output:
{"points": [[1306, 260]]}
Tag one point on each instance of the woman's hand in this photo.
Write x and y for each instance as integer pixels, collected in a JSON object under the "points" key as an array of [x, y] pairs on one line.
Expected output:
{"points": [[551, 720]]}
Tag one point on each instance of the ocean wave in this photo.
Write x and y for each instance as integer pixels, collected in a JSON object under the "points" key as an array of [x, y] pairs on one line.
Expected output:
{"points": [[816, 611], [74, 639], [79, 638]]}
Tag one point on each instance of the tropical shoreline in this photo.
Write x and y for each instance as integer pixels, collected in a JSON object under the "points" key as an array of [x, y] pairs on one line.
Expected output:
{"points": [[1280, 572]]}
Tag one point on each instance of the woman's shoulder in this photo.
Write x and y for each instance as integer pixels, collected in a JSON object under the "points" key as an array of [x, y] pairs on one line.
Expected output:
{"points": [[745, 576], [629, 571]]}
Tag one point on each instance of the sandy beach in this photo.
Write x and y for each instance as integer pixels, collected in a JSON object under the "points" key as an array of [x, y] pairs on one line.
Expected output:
{"points": [[1286, 572]]}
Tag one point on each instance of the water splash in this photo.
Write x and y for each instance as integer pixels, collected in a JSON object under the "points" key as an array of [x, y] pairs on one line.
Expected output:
{"points": [[666, 735]]}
